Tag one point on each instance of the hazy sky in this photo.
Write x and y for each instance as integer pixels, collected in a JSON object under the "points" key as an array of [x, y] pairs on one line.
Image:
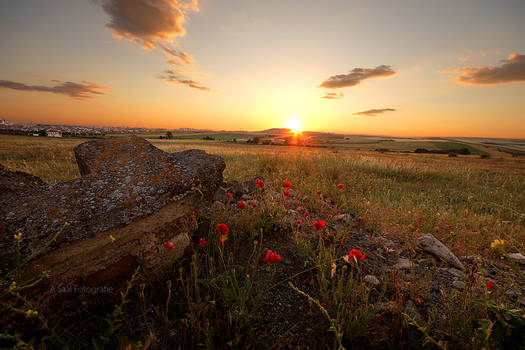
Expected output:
{"points": [[418, 68]]}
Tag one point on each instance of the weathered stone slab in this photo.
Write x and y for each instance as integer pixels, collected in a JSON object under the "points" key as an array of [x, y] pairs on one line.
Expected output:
{"points": [[431, 244], [130, 190]]}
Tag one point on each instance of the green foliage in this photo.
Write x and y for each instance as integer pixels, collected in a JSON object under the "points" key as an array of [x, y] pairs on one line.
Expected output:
{"points": [[504, 328]]}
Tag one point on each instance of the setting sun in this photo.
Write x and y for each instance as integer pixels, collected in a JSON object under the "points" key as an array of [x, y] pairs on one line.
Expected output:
{"points": [[294, 124]]}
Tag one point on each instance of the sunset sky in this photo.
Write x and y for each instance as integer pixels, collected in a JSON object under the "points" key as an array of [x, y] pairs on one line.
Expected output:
{"points": [[400, 68]]}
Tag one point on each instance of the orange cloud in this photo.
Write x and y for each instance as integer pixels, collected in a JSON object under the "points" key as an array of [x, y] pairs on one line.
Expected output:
{"points": [[82, 90], [511, 70], [355, 77], [333, 95], [148, 21], [373, 112]]}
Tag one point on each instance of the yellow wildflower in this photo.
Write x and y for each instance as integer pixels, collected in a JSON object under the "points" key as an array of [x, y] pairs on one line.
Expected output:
{"points": [[31, 313], [12, 287], [497, 243], [17, 236], [112, 238]]}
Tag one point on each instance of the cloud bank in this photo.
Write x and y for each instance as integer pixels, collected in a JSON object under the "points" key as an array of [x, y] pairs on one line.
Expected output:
{"points": [[373, 112], [83, 90], [511, 70], [148, 21], [355, 76]]}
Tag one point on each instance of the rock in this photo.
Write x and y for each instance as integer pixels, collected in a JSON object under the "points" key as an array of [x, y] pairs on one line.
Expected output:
{"points": [[431, 244], [129, 190], [16, 182], [404, 264], [517, 257], [220, 195], [217, 207], [372, 280], [245, 187], [458, 284], [454, 272]]}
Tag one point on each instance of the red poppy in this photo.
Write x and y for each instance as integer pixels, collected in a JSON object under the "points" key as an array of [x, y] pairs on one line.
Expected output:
{"points": [[319, 192], [259, 213], [229, 195], [299, 221], [253, 204], [259, 183], [272, 257], [202, 242], [169, 246], [286, 193], [222, 239], [490, 284], [222, 229], [241, 205], [355, 254], [341, 186], [319, 224], [287, 184]]}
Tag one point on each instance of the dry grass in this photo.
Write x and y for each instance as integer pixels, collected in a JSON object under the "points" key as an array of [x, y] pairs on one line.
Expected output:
{"points": [[466, 201]]}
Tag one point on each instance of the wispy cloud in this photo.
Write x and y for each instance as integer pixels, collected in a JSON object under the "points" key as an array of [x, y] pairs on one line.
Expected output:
{"points": [[511, 70], [373, 112], [355, 76], [333, 95], [175, 57], [174, 77], [82, 90], [148, 21]]}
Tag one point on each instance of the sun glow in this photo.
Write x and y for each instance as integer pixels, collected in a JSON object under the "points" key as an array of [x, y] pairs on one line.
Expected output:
{"points": [[294, 124]]}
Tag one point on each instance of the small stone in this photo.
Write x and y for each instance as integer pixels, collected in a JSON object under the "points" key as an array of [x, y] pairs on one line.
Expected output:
{"points": [[218, 206], [458, 284], [454, 272], [431, 244], [404, 264], [372, 280], [517, 257]]}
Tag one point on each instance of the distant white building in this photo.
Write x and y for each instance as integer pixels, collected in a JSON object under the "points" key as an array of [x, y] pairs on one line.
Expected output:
{"points": [[54, 134]]}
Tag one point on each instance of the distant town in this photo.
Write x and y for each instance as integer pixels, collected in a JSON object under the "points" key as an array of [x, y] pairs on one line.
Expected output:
{"points": [[57, 130]]}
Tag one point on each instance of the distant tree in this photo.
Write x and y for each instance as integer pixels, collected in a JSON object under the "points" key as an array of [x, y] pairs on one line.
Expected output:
{"points": [[169, 135], [421, 150], [254, 140], [452, 154], [234, 140], [42, 133]]}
